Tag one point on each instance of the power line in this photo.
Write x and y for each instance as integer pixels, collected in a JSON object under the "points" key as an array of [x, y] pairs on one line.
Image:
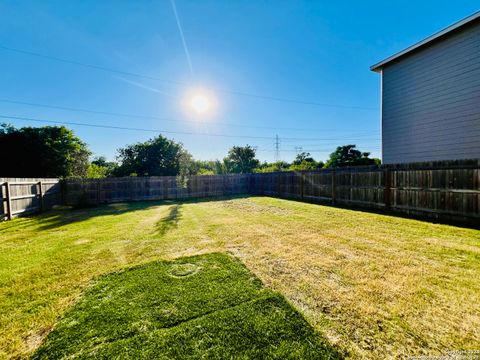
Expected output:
{"points": [[98, 112], [298, 149], [116, 114], [96, 67], [303, 144], [344, 138], [315, 150], [321, 139], [232, 92], [153, 130], [130, 128], [300, 102]]}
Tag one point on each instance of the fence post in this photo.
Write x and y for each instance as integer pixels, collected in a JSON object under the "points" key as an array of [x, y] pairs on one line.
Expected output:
{"points": [[63, 191], [252, 189], [130, 188], [387, 188], [278, 184], [302, 183], [225, 184], [40, 194], [3, 199], [9, 201], [98, 191], [333, 186]]}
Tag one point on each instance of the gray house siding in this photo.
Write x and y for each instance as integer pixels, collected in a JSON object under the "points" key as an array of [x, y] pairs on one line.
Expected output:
{"points": [[431, 101]]}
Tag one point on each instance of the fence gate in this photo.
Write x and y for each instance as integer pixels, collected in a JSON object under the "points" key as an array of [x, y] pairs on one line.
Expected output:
{"points": [[25, 196]]}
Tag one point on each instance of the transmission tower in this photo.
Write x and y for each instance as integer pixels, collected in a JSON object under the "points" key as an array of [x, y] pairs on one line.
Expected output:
{"points": [[277, 148]]}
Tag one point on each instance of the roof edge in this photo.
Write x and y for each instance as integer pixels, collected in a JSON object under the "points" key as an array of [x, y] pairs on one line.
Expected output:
{"points": [[378, 66]]}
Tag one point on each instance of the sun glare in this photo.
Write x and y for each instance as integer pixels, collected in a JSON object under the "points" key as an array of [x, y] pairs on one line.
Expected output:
{"points": [[199, 103]]}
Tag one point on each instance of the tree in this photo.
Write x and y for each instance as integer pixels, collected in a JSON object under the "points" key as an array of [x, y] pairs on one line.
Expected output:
{"points": [[347, 155], [156, 157], [301, 157], [96, 172], [49, 151], [100, 168], [273, 167], [241, 160], [209, 167], [218, 167], [304, 161]]}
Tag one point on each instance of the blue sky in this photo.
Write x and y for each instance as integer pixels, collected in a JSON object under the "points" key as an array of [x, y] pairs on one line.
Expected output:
{"points": [[310, 51]]}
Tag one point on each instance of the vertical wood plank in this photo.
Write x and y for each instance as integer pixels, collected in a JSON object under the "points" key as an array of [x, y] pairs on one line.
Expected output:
{"points": [[9, 200], [40, 195], [333, 187], [387, 188], [302, 184], [3, 199]]}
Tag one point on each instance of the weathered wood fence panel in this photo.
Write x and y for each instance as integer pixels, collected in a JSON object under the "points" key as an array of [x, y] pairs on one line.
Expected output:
{"points": [[109, 190], [23, 196], [440, 193], [344, 186]]}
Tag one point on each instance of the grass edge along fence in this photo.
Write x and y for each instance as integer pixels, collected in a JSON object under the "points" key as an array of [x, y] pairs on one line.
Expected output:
{"points": [[443, 191]]}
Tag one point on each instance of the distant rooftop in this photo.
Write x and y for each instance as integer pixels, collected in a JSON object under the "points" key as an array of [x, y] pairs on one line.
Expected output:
{"points": [[378, 67]]}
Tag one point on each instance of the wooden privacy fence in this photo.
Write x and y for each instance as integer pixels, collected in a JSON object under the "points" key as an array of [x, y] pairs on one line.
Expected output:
{"points": [[441, 193], [448, 191], [96, 191], [361, 186], [24, 196]]}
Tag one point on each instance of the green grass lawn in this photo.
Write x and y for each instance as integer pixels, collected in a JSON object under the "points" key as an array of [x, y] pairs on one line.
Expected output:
{"points": [[373, 286], [195, 307]]}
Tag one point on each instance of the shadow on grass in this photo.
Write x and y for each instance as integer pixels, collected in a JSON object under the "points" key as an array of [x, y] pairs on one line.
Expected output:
{"points": [[67, 215], [219, 310], [170, 221]]}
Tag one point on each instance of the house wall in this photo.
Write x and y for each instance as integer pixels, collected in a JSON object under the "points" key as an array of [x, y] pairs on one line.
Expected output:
{"points": [[431, 101]]}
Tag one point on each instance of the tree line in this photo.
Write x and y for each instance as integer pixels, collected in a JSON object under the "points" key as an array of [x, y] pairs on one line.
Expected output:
{"points": [[55, 151]]}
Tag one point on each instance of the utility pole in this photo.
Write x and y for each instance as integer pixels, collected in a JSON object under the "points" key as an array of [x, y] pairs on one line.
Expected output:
{"points": [[277, 148]]}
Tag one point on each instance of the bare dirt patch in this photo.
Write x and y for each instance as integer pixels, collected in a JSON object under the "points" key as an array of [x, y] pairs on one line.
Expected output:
{"points": [[33, 341], [81, 241]]}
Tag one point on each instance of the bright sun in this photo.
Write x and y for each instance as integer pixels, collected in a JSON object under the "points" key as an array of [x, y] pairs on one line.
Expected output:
{"points": [[200, 103]]}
